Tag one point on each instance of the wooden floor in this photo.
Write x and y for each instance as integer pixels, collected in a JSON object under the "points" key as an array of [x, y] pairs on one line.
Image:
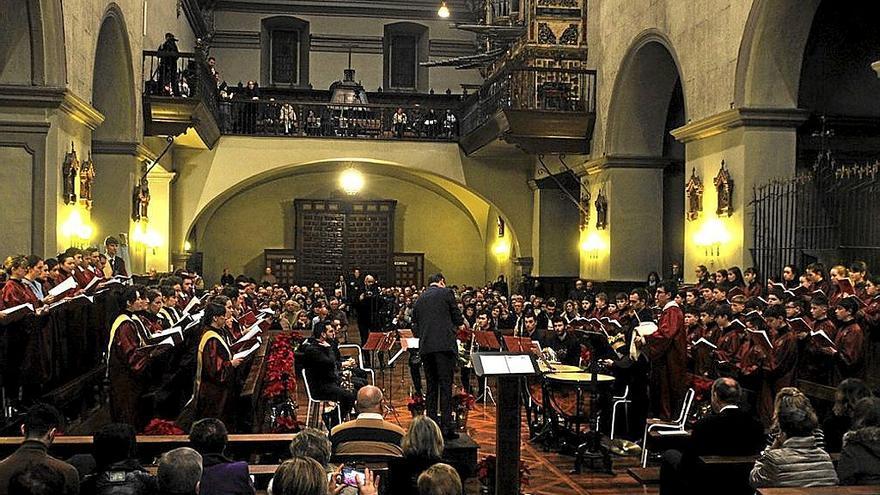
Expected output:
{"points": [[549, 470]]}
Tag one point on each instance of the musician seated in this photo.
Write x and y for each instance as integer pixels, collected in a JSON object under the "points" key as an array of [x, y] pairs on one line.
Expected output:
{"points": [[349, 367], [563, 344], [369, 434], [728, 431], [322, 371]]}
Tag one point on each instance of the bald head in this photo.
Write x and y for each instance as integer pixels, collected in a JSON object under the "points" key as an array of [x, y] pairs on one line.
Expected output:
{"points": [[725, 392], [369, 400]]}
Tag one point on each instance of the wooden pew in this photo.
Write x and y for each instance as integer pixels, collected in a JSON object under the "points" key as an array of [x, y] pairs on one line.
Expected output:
{"points": [[254, 448], [824, 490], [732, 472]]}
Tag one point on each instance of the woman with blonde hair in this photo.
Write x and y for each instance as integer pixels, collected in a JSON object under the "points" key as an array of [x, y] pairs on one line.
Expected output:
{"points": [[422, 448]]}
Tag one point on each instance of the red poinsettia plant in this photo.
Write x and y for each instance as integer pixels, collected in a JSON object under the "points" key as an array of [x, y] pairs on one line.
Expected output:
{"points": [[285, 424], [158, 426], [463, 401], [486, 472], [280, 377], [416, 404]]}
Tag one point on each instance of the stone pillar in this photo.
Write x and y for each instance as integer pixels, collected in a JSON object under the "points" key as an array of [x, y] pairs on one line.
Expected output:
{"points": [[631, 243], [756, 145], [159, 257], [554, 234]]}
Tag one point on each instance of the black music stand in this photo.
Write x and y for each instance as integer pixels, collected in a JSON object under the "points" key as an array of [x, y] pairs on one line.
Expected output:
{"points": [[508, 368], [384, 345], [487, 340], [592, 449]]}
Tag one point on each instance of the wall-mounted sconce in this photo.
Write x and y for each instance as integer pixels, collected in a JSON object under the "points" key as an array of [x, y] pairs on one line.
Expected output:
{"points": [[500, 227], [76, 229], [711, 237], [501, 249], [593, 246]]}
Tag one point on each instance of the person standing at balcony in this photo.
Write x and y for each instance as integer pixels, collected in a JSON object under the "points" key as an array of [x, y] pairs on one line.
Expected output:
{"points": [[450, 124], [398, 121], [168, 64]]}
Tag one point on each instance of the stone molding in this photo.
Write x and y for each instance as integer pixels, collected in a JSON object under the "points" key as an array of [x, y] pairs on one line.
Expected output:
{"points": [[236, 39], [740, 117], [53, 98], [136, 150], [621, 161], [391, 9]]}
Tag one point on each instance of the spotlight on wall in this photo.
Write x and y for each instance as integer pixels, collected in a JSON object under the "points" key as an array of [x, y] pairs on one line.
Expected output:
{"points": [[593, 245], [187, 246], [351, 181], [443, 11], [501, 249], [76, 229], [711, 237]]}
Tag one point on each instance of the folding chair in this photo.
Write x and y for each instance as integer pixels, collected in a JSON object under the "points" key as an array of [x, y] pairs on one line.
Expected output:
{"points": [[317, 405], [654, 424]]}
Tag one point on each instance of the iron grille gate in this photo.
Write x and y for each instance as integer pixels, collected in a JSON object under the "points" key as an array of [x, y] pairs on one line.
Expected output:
{"points": [[833, 218]]}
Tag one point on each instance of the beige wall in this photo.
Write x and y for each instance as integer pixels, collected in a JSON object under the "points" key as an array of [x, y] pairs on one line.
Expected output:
{"points": [[425, 221], [242, 64]]}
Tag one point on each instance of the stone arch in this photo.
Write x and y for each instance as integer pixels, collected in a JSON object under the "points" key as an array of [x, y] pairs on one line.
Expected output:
{"points": [[32, 44], [640, 97], [771, 53], [478, 213], [113, 86]]}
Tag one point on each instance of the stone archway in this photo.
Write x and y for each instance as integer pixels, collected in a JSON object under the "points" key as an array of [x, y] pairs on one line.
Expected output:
{"points": [[115, 141], [644, 165]]}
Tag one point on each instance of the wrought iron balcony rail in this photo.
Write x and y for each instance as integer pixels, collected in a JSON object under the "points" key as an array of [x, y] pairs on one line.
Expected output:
{"points": [[271, 117], [531, 88], [179, 75]]}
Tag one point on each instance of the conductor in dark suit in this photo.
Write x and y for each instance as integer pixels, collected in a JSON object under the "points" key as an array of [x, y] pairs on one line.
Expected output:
{"points": [[435, 321], [728, 431]]}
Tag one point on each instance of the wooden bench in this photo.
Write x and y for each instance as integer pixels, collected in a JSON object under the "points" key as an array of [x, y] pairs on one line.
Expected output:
{"points": [[731, 472], [823, 490]]}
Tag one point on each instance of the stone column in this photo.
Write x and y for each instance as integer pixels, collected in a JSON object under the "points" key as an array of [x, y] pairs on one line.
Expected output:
{"points": [[159, 257], [756, 145]]}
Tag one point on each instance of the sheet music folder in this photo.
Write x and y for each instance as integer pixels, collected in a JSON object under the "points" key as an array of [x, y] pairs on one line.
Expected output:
{"points": [[504, 364]]}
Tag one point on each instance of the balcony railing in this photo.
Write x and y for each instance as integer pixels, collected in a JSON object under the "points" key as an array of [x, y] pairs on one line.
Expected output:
{"points": [[179, 75], [262, 117], [531, 88]]}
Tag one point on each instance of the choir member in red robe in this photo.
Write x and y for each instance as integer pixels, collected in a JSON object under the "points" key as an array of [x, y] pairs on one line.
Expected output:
{"points": [[81, 273], [849, 350], [64, 270], [128, 360], [754, 361], [753, 288], [667, 351], [169, 314], [15, 292], [150, 315], [730, 340], [215, 379], [871, 316], [784, 358], [816, 362]]}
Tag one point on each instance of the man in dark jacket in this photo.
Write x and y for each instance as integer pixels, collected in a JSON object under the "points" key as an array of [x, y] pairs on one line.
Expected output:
{"points": [[318, 359], [220, 475], [435, 321], [728, 431], [38, 429], [118, 473]]}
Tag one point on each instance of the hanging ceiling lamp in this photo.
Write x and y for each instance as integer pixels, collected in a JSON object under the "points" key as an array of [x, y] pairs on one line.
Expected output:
{"points": [[443, 11]]}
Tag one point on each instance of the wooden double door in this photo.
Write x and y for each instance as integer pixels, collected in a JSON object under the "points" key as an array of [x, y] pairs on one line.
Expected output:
{"points": [[335, 236]]}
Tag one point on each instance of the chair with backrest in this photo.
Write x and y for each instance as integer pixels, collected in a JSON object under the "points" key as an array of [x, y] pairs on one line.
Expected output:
{"points": [[656, 424], [617, 401], [355, 351], [315, 409]]}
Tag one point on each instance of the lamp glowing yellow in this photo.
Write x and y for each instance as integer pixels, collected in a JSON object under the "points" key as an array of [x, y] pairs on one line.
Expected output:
{"points": [[351, 181], [443, 11], [593, 243], [712, 233], [75, 228], [187, 246], [501, 249], [152, 239]]}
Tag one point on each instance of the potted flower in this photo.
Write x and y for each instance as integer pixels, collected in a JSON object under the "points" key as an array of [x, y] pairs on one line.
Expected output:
{"points": [[486, 475], [416, 404], [462, 403]]}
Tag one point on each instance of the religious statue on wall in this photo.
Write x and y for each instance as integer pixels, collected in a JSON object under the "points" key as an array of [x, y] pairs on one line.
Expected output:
{"points": [[141, 199], [724, 187], [69, 171], [585, 209], [86, 181], [694, 191], [601, 210]]}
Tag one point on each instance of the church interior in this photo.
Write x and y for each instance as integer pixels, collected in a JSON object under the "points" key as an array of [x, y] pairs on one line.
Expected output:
{"points": [[669, 206]]}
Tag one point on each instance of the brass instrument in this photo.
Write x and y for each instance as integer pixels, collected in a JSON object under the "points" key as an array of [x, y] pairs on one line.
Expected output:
{"points": [[345, 382], [464, 353]]}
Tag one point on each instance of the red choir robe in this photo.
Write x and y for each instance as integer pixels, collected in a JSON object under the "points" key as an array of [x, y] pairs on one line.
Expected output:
{"points": [[849, 361], [753, 361], [780, 371], [61, 277], [753, 290], [215, 378], [667, 351], [817, 363], [151, 322], [127, 362], [871, 316], [729, 342], [15, 293], [82, 276], [703, 355]]}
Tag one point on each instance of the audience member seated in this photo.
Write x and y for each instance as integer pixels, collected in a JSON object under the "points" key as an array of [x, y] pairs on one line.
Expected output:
{"points": [[37, 479], [117, 470], [728, 431], [179, 472], [860, 457], [422, 448], [440, 479], [794, 460], [305, 476], [792, 395], [369, 434], [848, 392], [319, 361], [220, 475], [314, 444], [40, 425]]}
